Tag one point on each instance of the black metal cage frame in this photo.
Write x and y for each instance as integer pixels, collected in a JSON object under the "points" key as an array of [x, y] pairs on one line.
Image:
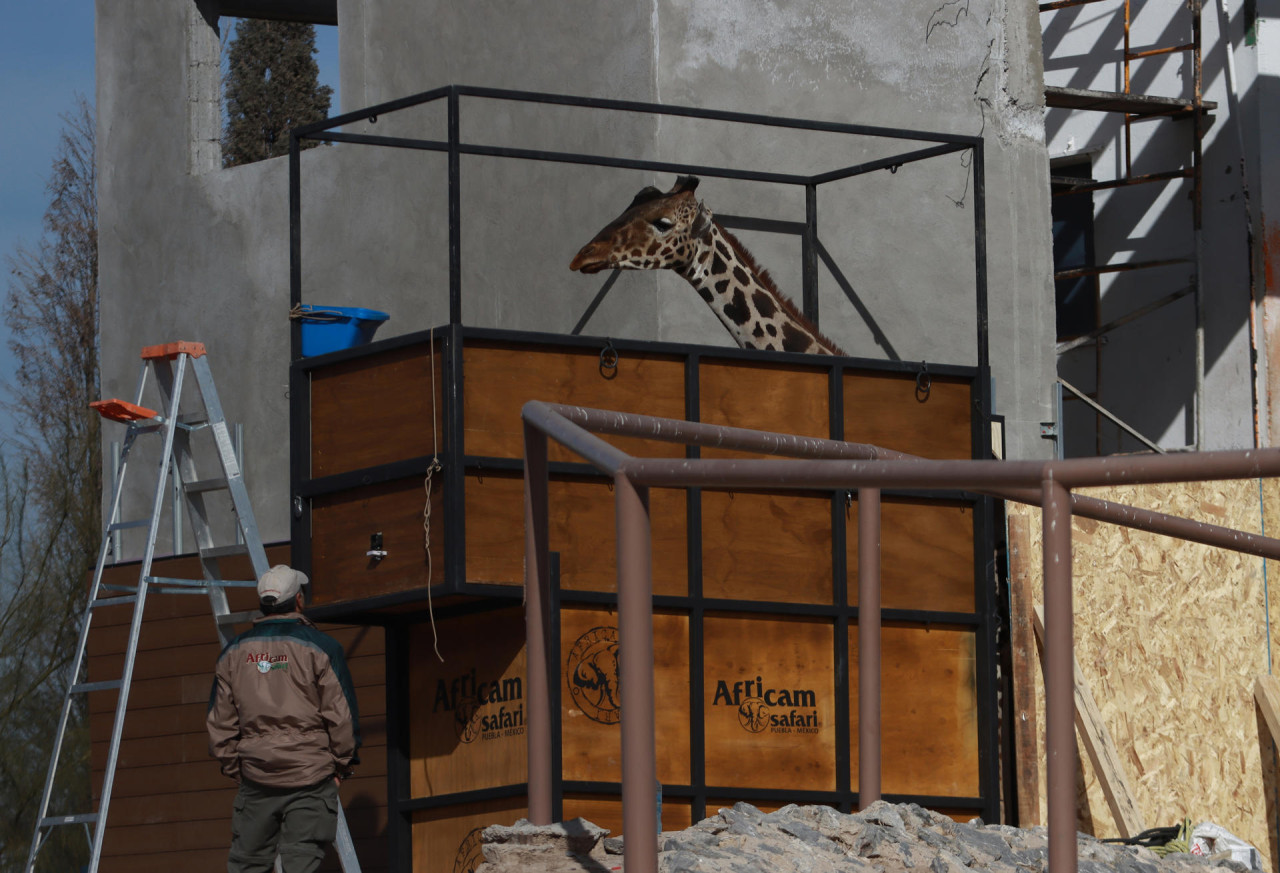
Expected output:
{"points": [[985, 617]]}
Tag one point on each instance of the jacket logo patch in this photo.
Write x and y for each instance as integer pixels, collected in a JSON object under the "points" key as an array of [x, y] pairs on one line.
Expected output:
{"points": [[266, 662]]}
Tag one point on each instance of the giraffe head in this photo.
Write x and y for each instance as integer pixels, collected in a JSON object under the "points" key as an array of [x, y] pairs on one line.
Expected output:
{"points": [[657, 231]]}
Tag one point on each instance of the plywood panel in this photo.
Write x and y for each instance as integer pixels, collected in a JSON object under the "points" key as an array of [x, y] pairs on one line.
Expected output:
{"points": [[447, 840], [929, 710], [606, 812], [582, 530], [376, 410], [769, 397], [926, 555], [342, 523], [766, 547], [500, 379], [1169, 635], [590, 709], [769, 699], [884, 409], [467, 712]]}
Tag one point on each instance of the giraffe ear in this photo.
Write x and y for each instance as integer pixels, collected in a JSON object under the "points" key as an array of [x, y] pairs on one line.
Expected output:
{"points": [[683, 184], [701, 228]]}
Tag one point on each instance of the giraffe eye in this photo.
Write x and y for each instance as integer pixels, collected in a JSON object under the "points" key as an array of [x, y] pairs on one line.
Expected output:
{"points": [[663, 224]]}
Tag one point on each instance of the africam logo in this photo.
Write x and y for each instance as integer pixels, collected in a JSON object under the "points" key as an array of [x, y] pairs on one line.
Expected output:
{"points": [[471, 701], [592, 673], [778, 710], [470, 856], [266, 662]]}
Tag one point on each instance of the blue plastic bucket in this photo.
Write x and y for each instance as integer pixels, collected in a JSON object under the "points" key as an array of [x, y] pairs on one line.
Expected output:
{"points": [[333, 328]]}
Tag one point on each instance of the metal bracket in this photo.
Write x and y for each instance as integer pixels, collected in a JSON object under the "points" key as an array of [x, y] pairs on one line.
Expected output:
{"points": [[1049, 430]]}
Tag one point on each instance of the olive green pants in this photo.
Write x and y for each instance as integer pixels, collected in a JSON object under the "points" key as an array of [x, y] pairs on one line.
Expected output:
{"points": [[296, 823]]}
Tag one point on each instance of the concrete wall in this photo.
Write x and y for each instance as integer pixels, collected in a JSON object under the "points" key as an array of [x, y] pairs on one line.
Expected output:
{"points": [[193, 251], [1145, 371]]}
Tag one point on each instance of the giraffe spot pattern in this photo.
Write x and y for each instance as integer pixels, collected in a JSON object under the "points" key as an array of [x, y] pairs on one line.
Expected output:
{"points": [[758, 331], [737, 310], [705, 293], [722, 287], [717, 265], [740, 276], [772, 328], [764, 304], [794, 339]]}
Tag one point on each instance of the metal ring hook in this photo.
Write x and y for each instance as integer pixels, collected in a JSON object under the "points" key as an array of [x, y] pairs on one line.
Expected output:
{"points": [[608, 360], [924, 383]]}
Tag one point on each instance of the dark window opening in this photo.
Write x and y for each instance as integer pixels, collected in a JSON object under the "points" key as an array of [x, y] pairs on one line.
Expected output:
{"points": [[1076, 298]]}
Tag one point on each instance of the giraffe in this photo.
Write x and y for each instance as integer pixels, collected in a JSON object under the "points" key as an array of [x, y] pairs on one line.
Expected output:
{"points": [[674, 231]]}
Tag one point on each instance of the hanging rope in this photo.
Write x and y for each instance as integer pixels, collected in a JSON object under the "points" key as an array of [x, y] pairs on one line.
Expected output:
{"points": [[432, 469]]}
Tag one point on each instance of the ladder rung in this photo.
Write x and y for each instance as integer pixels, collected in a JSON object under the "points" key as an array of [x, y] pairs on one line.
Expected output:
{"points": [[225, 551], [55, 820], [104, 685], [126, 525], [202, 485], [114, 601], [128, 589], [200, 583], [237, 617]]}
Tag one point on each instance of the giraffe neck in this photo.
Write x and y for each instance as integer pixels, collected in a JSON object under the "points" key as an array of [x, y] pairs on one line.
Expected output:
{"points": [[746, 301]]}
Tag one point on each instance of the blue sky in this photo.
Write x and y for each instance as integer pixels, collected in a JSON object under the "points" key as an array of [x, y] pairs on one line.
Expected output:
{"points": [[46, 60]]}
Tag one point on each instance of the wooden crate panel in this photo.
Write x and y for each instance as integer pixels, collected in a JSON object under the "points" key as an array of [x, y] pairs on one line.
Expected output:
{"points": [[769, 699], [342, 523], [583, 531], [376, 410], [929, 710], [606, 812], [769, 397], [926, 555], [500, 379], [447, 840], [884, 409], [766, 547], [591, 735], [467, 713]]}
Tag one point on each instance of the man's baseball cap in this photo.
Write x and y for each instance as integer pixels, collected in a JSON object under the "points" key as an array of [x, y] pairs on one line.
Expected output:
{"points": [[281, 582]]}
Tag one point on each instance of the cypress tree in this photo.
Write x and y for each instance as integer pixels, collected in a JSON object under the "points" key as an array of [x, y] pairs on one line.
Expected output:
{"points": [[271, 87]]}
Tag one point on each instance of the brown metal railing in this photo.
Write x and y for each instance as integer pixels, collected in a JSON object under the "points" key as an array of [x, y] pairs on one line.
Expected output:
{"points": [[826, 464]]}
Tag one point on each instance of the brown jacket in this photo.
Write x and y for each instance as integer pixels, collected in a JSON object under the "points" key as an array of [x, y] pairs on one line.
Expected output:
{"points": [[282, 710]]}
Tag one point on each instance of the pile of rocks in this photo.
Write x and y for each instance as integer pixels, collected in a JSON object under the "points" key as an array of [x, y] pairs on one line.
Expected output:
{"points": [[884, 838]]}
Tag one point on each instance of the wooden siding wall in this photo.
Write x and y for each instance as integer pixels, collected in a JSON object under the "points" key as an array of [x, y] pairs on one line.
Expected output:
{"points": [[171, 806]]}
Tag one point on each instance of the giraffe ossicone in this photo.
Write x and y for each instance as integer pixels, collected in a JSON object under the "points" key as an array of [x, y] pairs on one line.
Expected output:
{"points": [[675, 231]]}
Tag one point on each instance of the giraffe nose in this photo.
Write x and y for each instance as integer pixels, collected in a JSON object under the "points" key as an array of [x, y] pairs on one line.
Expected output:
{"points": [[591, 258]]}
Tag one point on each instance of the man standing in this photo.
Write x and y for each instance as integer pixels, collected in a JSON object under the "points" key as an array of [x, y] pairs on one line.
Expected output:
{"points": [[283, 723]]}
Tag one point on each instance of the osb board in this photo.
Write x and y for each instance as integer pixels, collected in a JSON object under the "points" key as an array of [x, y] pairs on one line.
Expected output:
{"points": [[929, 710], [886, 410], [376, 410], [590, 695], [342, 524], [1170, 635], [926, 555], [766, 547], [447, 840], [582, 530], [500, 379], [769, 699], [467, 712], [769, 397], [606, 812]]}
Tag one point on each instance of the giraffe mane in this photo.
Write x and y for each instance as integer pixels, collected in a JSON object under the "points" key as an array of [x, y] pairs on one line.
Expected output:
{"points": [[784, 302]]}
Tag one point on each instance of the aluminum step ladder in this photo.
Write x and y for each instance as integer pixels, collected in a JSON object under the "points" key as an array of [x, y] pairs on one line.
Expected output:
{"points": [[169, 365]]}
